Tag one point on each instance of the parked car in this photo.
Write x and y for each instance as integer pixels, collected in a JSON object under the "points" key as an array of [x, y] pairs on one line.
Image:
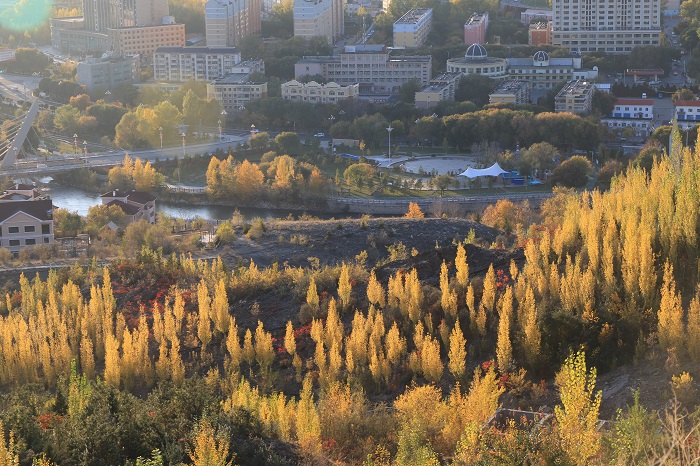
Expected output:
{"points": [[320, 135]]}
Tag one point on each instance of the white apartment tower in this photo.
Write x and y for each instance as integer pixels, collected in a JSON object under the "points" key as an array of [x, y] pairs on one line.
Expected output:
{"points": [[319, 18], [229, 21], [613, 26]]}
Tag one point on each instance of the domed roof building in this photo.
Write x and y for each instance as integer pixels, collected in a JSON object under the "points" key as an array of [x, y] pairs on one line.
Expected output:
{"points": [[477, 61], [544, 72]]}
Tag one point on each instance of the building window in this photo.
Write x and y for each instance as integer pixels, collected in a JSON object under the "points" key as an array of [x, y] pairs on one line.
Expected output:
{"points": [[14, 242], [29, 229], [13, 229], [30, 242], [46, 229]]}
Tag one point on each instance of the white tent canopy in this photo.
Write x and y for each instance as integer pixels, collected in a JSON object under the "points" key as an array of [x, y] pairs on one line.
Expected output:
{"points": [[493, 170]]}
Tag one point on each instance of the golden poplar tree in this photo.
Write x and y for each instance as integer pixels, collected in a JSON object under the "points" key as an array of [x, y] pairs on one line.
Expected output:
{"points": [[344, 287], [458, 352], [532, 335], [9, 454], [312, 297], [375, 291], [112, 361], [462, 276], [504, 348], [248, 349], [210, 447], [177, 368], [220, 306], [577, 418], [87, 357], [204, 322], [395, 345], [290, 343], [670, 314], [431, 364], [264, 351], [414, 211], [488, 297], [448, 297], [694, 328]]}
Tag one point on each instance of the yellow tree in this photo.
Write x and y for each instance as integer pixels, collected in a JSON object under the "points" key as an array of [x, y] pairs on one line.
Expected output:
{"points": [[344, 287], [577, 418], [448, 297], [290, 343], [204, 304], [219, 307], [249, 181], [264, 351], [458, 352], [504, 348], [670, 314], [9, 454], [210, 447], [694, 328], [462, 267], [414, 211], [375, 291]]}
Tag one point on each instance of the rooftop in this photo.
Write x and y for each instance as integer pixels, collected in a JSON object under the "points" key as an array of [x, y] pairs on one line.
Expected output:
{"points": [[624, 101], [475, 18], [542, 25], [221, 50], [508, 87], [576, 87], [39, 209], [687, 103], [414, 15], [234, 78]]}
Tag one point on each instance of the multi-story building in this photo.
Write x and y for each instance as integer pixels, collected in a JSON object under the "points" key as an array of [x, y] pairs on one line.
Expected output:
{"points": [[368, 64], [316, 93], [475, 28], [178, 64], [25, 218], [136, 205], [477, 61], [323, 18], [613, 26], [539, 33], [537, 15], [127, 27], [511, 92], [441, 87], [412, 29], [108, 72], [145, 40], [235, 90], [69, 35], [229, 21], [575, 97], [543, 72], [687, 113], [631, 113]]}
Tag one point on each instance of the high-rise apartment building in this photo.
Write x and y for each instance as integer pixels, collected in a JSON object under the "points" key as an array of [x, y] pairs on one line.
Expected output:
{"points": [[613, 26], [101, 15], [229, 21], [198, 63], [412, 29], [319, 18]]}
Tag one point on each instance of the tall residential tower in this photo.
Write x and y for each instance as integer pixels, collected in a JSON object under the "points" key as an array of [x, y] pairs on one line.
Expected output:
{"points": [[229, 21], [613, 26]]}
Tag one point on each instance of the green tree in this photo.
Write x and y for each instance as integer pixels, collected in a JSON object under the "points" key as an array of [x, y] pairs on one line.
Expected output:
{"points": [[573, 172], [259, 141], [100, 215], [442, 182], [359, 174], [288, 143], [67, 222]]}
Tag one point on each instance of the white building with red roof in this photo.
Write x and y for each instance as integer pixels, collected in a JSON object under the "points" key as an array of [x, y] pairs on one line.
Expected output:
{"points": [[687, 113], [632, 113]]}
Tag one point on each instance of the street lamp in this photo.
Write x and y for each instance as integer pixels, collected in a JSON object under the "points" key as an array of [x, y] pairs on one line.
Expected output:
{"points": [[331, 118], [219, 130], [107, 94], [160, 131], [183, 144], [75, 144], [85, 150], [252, 130], [389, 129]]}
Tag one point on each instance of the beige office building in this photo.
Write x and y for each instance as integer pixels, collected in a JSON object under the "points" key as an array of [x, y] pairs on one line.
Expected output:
{"points": [[199, 63], [511, 92], [323, 18], [145, 40], [372, 65], [575, 97], [227, 22], [316, 93], [412, 29], [613, 26], [441, 87], [235, 90]]}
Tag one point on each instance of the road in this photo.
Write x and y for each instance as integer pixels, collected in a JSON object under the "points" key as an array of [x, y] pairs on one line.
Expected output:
{"points": [[53, 164]]}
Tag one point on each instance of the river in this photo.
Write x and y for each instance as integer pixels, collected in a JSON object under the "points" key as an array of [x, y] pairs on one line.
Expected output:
{"points": [[77, 200]]}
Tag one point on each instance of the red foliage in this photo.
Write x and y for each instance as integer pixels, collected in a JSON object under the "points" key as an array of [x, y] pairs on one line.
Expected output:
{"points": [[328, 444], [49, 420], [486, 365], [502, 280]]}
